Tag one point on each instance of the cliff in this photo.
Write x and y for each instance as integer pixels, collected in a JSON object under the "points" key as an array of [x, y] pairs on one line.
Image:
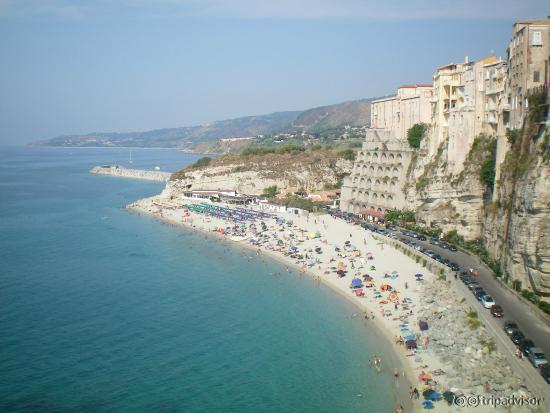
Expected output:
{"points": [[250, 175], [517, 224]]}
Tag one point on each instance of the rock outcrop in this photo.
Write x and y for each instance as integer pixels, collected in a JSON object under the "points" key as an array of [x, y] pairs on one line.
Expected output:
{"points": [[311, 170]]}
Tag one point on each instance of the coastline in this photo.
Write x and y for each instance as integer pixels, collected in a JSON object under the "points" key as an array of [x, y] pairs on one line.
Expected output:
{"points": [[395, 355]]}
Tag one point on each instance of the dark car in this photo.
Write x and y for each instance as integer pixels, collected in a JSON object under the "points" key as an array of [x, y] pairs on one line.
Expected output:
{"points": [[444, 246], [473, 286], [422, 238], [465, 279], [510, 327], [453, 248], [526, 345], [497, 311], [454, 266], [545, 372], [480, 294], [517, 336]]}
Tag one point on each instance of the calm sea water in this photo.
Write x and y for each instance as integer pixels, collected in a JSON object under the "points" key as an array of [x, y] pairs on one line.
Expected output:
{"points": [[102, 310]]}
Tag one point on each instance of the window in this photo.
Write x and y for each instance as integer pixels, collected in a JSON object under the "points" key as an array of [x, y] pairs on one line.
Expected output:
{"points": [[536, 76], [536, 40]]}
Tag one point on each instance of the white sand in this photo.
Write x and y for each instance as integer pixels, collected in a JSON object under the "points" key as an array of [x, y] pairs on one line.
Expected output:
{"points": [[334, 233]]}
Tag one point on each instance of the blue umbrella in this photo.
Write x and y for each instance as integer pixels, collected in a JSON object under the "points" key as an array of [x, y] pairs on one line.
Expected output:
{"points": [[427, 404], [409, 337], [356, 283], [419, 276]]}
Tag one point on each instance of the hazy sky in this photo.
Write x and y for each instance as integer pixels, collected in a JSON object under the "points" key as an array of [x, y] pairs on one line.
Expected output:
{"points": [[70, 66]]}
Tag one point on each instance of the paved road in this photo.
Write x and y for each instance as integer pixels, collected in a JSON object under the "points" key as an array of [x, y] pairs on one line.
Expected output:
{"points": [[530, 323]]}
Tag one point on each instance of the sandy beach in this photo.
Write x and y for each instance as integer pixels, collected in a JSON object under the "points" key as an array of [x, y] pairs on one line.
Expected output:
{"points": [[334, 252]]}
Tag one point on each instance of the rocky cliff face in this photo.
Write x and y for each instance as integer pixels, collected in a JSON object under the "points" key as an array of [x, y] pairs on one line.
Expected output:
{"points": [[251, 174], [445, 200], [517, 225]]}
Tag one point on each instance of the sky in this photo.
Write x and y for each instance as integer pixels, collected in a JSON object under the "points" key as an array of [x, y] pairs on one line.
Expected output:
{"points": [[80, 66]]}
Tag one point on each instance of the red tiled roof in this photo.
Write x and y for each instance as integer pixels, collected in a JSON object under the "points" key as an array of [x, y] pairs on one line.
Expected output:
{"points": [[373, 213]]}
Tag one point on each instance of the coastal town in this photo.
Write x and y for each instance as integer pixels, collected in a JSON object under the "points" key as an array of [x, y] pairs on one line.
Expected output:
{"points": [[453, 346]]}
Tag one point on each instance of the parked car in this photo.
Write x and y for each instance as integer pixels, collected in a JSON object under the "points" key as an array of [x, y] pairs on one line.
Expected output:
{"points": [[537, 357], [545, 372], [517, 336], [453, 248], [473, 285], [465, 279], [414, 235], [434, 241], [454, 266], [526, 345], [422, 238], [497, 311], [510, 327], [487, 301], [480, 294]]}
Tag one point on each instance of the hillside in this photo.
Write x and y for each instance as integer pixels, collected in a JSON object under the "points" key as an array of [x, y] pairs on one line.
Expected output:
{"points": [[353, 113]]}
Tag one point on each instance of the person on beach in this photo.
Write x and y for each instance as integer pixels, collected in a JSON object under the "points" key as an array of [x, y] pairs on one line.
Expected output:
{"points": [[399, 409], [416, 394], [396, 373], [411, 392]]}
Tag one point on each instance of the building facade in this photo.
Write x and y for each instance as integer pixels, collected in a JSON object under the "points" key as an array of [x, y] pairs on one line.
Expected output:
{"points": [[399, 113], [528, 69], [378, 174]]}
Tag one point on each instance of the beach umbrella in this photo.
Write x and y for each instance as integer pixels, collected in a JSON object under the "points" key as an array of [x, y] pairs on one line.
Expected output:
{"points": [[419, 275], [367, 277], [427, 404], [424, 377]]}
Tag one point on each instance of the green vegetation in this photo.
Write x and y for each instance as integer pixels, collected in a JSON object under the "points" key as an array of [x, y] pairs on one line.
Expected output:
{"points": [[292, 149], [512, 136], [535, 299], [490, 344], [302, 203], [399, 217], [204, 161], [422, 183], [347, 154], [415, 134], [271, 191], [488, 166], [472, 321]]}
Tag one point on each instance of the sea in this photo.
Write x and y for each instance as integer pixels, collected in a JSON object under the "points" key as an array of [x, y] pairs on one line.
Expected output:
{"points": [[104, 310]]}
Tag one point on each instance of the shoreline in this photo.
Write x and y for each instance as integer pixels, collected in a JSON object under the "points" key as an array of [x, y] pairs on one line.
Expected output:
{"points": [[394, 355], [463, 368]]}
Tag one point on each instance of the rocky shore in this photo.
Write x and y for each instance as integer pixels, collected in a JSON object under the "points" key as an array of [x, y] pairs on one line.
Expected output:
{"points": [[122, 172]]}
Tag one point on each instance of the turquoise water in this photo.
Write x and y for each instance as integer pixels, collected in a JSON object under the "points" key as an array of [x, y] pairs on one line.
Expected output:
{"points": [[103, 310]]}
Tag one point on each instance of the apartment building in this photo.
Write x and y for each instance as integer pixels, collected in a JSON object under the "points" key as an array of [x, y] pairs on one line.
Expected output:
{"points": [[528, 69]]}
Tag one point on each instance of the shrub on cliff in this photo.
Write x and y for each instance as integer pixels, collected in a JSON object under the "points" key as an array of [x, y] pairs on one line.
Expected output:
{"points": [[271, 191], [415, 134], [348, 154], [204, 161]]}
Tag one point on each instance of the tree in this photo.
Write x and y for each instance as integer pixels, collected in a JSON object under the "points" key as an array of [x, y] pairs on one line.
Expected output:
{"points": [[415, 134], [271, 191]]}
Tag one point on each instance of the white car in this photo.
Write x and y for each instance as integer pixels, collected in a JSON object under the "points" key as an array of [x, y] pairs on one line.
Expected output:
{"points": [[487, 301]]}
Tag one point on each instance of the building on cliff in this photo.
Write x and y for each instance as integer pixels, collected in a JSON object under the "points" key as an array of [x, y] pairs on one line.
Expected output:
{"points": [[399, 113], [528, 68]]}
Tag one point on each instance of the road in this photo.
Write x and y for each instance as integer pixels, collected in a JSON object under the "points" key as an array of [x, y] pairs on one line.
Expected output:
{"points": [[529, 322]]}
